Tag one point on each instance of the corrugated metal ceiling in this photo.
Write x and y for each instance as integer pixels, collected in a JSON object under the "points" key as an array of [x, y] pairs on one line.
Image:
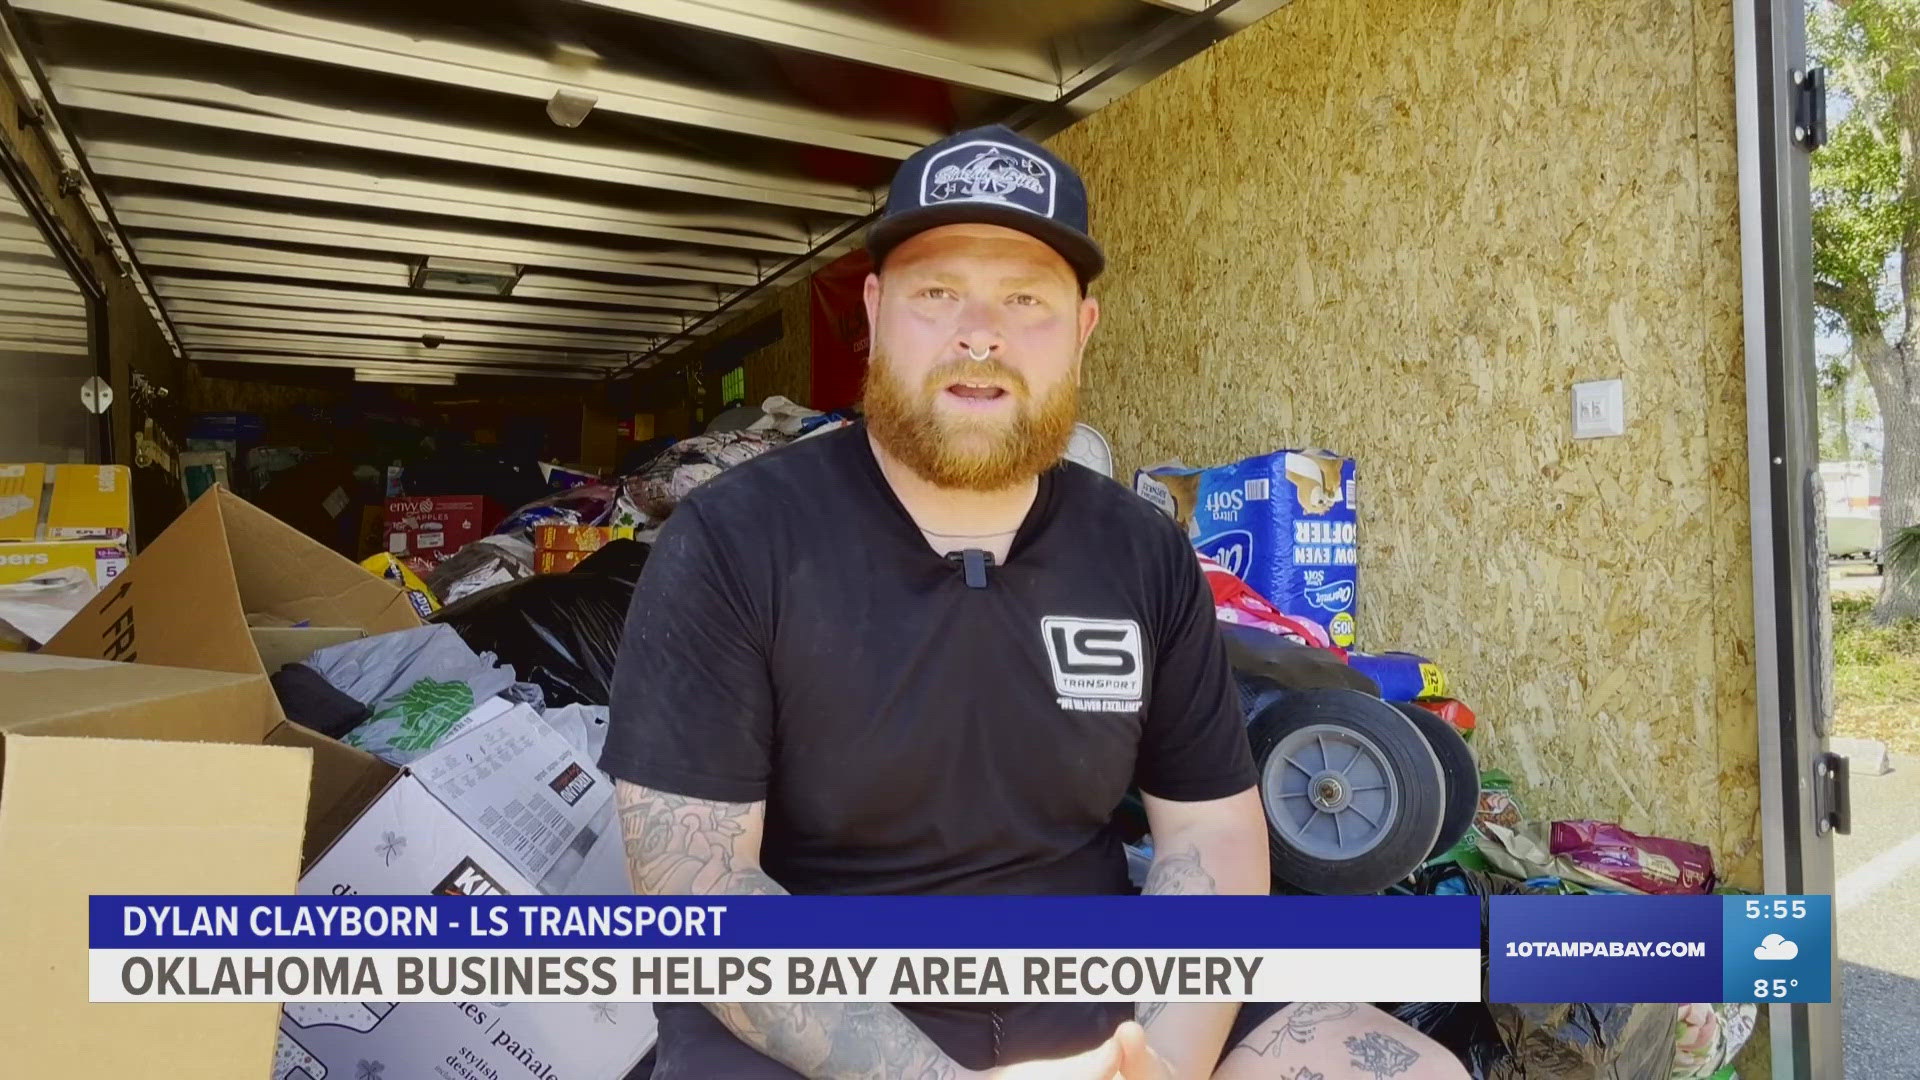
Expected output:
{"points": [[282, 172]]}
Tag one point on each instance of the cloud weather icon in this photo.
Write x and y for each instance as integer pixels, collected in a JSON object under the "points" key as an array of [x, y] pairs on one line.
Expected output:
{"points": [[1775, 947]]}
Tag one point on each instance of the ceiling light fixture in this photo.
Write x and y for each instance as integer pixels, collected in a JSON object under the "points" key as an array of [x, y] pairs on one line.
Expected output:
{"points": [[405, 378], [437, 274], [569, 107]]}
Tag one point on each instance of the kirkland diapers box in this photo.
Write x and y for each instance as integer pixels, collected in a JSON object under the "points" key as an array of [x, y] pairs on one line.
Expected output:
{"points": [[1283, 522], [65, 502], [60, 517], [506, 802]]}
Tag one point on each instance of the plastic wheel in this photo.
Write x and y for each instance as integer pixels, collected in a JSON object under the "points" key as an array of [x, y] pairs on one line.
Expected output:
{"points": [[1457, 768], [1352, 791]]}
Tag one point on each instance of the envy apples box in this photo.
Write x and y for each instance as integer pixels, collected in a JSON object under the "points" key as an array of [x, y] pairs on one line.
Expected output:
{"points": [[433, 527]]}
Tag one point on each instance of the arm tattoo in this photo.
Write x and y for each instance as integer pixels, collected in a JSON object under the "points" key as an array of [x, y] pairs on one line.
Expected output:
{"points": [[679, 846], [854, 1041], [1179, 872], [1302, 1024], [1382, 1055], [1175, 870]]}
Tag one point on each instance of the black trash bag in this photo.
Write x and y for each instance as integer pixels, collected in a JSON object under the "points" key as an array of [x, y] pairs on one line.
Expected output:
{"points": [[1465, 1028], [1253, 651], [558, 631], [1580, 1041], [1584, 1041]]}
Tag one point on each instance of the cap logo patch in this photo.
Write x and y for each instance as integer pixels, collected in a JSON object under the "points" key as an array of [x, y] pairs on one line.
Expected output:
{"points": [[988, 172]]}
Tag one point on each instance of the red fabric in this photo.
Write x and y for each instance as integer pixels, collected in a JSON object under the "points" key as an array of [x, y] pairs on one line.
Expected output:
{"points": [[1234, 601], [839, 331], [1453, 712]]}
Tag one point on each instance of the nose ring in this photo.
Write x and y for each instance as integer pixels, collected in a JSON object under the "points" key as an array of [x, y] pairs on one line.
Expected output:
{"points": [[979, 356]]}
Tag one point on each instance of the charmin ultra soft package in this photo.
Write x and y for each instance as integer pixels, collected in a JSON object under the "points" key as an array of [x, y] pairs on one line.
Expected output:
{"points": [[1282, 522]]}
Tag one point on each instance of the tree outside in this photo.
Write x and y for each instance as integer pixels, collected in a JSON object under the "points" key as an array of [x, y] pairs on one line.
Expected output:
{"points": [[1866, 238]]}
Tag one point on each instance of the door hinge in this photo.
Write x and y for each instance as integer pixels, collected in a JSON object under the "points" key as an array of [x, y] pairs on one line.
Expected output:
{"points": [[1810, 108], [1832, 796]]}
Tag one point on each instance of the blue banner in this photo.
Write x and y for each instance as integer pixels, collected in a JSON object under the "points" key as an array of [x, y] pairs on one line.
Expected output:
{"points": [[1659, 948], [1779, 948], [784, 922], [1604, 948]]}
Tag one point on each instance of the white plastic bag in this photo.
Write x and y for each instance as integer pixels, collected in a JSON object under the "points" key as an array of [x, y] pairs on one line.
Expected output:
{"points": [[38, 607]]}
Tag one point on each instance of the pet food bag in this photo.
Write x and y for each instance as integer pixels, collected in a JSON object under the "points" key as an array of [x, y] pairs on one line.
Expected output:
{"points": [[1283, 522]]}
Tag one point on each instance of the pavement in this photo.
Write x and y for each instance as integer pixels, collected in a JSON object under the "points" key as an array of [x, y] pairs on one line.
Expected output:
{"points": [[1877, 917], [1852, 577]]}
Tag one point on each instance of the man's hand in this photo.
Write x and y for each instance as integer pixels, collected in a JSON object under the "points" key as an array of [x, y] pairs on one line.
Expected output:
{"points": [[1138, 1060]]}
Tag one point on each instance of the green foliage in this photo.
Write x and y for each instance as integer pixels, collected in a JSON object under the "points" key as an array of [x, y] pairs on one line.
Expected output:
{"points": [[1902, 557], [1860, 642], [1876, 675], [1863, 201]]}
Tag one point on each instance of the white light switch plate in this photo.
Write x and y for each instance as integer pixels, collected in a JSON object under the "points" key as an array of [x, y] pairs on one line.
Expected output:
{"points": [[1599, 409]]}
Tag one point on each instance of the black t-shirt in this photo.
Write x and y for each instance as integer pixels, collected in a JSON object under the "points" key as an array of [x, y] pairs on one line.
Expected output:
{"points": [[794, 639]]}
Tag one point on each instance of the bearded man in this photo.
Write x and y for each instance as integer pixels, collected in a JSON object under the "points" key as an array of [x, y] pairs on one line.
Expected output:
{"points": [[860, 665]]}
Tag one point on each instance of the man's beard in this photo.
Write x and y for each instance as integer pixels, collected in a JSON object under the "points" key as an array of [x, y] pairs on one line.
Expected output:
{"points": [[973, 453]]}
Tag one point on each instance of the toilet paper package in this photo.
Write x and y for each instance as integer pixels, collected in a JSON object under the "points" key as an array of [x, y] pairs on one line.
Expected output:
{"points": [[1284, 522]]}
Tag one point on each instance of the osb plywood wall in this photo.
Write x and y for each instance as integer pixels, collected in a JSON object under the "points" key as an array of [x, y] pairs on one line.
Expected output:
{"points": [[785, 367], [1402, 229], [279, 390]]}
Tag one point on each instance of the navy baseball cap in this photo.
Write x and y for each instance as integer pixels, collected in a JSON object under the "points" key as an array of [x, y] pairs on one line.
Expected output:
{"points": [[990, 176]]}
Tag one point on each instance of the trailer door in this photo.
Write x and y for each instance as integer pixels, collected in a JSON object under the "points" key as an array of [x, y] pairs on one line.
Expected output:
{"points": [[1781, 116]]}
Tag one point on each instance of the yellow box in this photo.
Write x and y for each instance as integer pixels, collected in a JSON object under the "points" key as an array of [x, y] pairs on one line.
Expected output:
{"points": [[90, 502], [20, 490], [101, 559]]}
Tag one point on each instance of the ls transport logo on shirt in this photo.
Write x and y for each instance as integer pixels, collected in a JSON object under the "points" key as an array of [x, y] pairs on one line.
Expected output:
{"points": [[1098, 664]]}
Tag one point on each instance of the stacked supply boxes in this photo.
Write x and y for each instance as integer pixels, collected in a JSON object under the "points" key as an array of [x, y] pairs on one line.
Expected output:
{"points": [[65, 531], [1284, 522]]}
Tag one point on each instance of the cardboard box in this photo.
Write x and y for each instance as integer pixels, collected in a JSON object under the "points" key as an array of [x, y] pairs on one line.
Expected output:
{"points": [[418, 838], [102, 561], [559, 548], [588, 538], [279, 646], [21, 489], [435, 526], [524, 788], [133, 779], [558, 562], [90, 502], [65, 502], [186, 600], [408, 843]]}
